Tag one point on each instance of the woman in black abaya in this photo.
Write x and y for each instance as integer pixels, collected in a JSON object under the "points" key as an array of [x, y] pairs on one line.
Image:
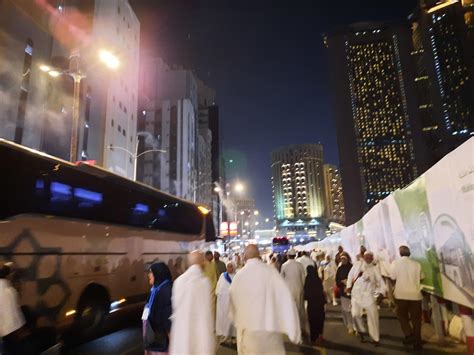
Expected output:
{"points": [[314, 294]]}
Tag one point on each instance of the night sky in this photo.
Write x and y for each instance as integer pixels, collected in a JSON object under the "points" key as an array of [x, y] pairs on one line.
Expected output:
{"points": [[266, 60]]}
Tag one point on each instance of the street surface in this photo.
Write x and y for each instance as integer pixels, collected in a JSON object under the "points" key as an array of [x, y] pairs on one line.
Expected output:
{"points": [[127, 341]]}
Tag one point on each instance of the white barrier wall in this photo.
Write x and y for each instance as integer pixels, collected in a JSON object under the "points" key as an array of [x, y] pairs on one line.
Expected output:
{"points": [[434, 216]]}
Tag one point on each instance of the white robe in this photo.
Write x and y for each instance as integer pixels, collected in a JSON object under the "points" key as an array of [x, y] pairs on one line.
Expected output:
{"points": [[294, 275], [224, 326], [364, 295], [11, 317], [306, 261], [261, 303], [192, 321]]}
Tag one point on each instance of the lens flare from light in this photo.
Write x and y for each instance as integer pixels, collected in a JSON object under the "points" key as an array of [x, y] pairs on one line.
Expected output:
{"points": [[109, 59], [54, 73], [44, 68]]}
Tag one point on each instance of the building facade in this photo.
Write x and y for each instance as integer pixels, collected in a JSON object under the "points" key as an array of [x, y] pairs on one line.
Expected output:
{"points": [[372, 78], [168, 116], [109, 130], [298, 190], [335, 211], [39, 113], [444, 54], [206, 184], [26, 43]]}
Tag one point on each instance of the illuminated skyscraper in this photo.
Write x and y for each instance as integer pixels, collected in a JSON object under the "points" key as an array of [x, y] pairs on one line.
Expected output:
{"points": [[374, 107], [298, 189], [335, 210], [444, 54]]}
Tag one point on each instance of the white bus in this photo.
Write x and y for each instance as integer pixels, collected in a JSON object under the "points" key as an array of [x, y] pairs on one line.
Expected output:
{"points": [[81, 238]]}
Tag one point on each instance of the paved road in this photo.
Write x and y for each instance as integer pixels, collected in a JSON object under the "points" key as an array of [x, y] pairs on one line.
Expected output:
{"points": [[127, 341]]}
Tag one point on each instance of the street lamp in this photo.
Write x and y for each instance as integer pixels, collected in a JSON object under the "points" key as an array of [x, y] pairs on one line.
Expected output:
{"points": [[239, 187], [109, 59], [135, 156], [267, 220], [255, 213], [74, 72]]}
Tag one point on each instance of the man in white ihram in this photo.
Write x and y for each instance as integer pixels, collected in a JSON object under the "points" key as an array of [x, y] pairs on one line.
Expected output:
{"points": [[262, 308], [306, 261], [366, 284], [294, 275], [224, 326], [192, 329]]}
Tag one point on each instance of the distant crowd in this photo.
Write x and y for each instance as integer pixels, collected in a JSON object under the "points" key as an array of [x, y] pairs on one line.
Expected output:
{"points": [[259, 301]]}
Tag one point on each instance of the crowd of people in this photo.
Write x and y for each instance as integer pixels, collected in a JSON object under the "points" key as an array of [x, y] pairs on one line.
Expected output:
{"points": [[255, 298], [254, 301]]}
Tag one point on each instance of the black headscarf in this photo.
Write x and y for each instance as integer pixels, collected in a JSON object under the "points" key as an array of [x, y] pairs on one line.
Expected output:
{"points": [[161, 272]]}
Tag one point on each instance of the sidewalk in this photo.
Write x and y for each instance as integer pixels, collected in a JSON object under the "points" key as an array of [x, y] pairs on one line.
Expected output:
{"points": [[339, 342]]}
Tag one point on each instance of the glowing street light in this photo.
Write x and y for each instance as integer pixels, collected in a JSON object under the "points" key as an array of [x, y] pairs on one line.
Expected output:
{"points": [[54, 73], [267, 220], [109, 59], [239, 187], [45, 68], [256, 223], [255, 213]]}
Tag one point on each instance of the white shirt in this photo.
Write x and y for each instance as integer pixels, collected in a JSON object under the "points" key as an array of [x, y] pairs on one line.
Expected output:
{"points": [[261, 301], [11, 317], [408, 275], [330, 270], [294, 275], [305, 261], [368, 286]]}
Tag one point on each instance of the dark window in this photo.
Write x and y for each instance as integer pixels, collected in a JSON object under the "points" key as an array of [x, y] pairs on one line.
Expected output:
{"points": [[36, 185], [24, 87], [119, 128], [125, 109], [112, 122], [124, 132], [120, 104], [87, 113], [118, 9]]}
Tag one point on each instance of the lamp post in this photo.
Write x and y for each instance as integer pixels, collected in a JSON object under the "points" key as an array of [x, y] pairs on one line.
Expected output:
{"points": [[135, 156], [74, 72]]}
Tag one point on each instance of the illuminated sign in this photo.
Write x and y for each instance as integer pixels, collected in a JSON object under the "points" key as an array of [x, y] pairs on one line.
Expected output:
{"points": [[233, 229], [224, 229]]}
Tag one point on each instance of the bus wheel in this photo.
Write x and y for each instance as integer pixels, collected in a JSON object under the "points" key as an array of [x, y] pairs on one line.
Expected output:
{"points": [[92, 310]]}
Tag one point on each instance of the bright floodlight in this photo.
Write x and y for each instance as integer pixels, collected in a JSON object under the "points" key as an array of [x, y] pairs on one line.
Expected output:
{"points": [[109, 59], [255, 212], [239, 187], [45, 68], [267, 220], [217, 189], [54, 73]]}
